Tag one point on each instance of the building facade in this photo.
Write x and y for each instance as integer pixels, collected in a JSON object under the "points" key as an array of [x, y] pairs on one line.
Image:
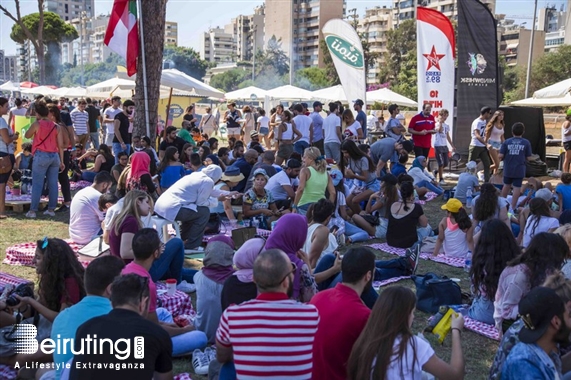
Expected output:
{"points": [[406, 9], [249, 33], [550, 19], [218, 45], [375, 25], [70, 9], [171, 33], [515, 45], [8, 67]]}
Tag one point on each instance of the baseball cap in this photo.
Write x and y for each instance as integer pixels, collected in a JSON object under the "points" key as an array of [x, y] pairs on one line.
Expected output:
{"points": [[536, 310], [317, 104], [453, 205], [336, 176], [262, 172], [359, 102], [304, 105], [544, 194], [472, 165]]}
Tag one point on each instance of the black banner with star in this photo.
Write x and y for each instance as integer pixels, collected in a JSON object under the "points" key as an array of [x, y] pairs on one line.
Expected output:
{"points": [[477, 75]]}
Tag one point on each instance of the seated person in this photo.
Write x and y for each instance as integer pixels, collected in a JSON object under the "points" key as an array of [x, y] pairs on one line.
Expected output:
{"points": [[488, 205], [421, 176], [146, 248], [170, 168], [209, 282], [117, 169], [565, 232], [407, 224], [538, 220], [467, 180], [259, 203], [319, 240], [281, 185], [84, 215], [454, 231], [563, 191], [419, 192], [196, 163], [104, 161], [399, 167], [139, 177], [229, 179]]}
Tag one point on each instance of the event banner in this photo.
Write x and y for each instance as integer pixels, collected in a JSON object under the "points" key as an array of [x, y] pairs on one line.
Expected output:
{"points": [[478, 80], [21, 125], [347, 53], [435, 62]]}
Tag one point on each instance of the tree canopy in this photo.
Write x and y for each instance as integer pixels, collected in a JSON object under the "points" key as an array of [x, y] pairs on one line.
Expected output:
{"points": [[187, 60], [93, 72], [54, 30], [312, 78], [230, 80]]}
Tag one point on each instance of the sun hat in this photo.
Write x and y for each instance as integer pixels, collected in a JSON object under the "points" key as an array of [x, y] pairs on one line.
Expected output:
{"points": [[232, 174]]}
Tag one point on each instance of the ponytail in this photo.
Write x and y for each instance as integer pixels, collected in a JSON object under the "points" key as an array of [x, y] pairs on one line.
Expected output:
{"points": [[462, 219]]}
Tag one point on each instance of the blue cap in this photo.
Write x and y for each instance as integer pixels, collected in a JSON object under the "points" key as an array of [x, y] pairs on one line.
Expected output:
{"points": [[336, 176]]}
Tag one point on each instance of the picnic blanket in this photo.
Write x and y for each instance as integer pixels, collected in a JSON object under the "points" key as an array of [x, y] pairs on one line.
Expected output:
{"points": [[182, 376], [489, 331], [378, 284], [27, 198], [427, 198], [73, 186], [23, 253], [8, 279], [177, 304], [8, 373], [452, 261]]}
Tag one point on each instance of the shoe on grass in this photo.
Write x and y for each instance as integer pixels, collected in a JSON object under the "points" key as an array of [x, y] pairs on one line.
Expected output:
{"points": [[31, 214], [413, 255], [49, 213], [200, 362]]}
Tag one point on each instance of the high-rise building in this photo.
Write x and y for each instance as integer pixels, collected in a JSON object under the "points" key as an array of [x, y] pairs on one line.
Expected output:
{"points": [[406, 9], [98, 51], [298, 24], [568, 24], [515, 46], [8, 67], [70, 9], [249, 33], [550, 19], [375, 25], [171, 33], [218, 45]]}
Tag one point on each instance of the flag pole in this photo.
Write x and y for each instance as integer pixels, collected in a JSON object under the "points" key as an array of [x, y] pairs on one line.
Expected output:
{"points": [[145, 89]]}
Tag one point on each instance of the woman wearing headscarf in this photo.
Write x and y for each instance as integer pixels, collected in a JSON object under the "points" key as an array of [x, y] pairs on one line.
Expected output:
{"points": [[421, 176], [209, 282], [289, 236], [240, 287], [139, 178]]}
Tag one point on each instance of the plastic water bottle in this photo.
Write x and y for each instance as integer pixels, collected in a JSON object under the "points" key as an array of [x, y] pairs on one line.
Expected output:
{"points": [[468, 262], [469, 198], [255, 222]]}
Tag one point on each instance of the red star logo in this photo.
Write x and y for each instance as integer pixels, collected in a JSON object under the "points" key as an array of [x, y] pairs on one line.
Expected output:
{"points": [[433, 59]]}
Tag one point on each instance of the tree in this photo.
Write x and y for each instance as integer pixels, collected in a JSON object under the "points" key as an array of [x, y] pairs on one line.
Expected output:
{"points": [[369, 57], [187, 60], [272, 57], [153, 26], [93, 72], [229, 80], [312, 78], [330, 69]]}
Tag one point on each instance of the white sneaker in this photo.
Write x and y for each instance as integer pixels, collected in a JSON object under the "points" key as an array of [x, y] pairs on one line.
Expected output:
{"points": [[49, 213], [442, 182], [186, 287], [200, 362], [210, 353], [31, 214]]}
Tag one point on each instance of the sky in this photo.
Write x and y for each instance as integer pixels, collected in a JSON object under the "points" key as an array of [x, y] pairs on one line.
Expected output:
{"points": [[195, 16]]}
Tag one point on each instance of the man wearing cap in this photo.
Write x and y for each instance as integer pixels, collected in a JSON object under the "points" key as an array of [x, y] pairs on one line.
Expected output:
{"points": [[467, 180], [388, 149], [268, 159], [478, 149], [317, 120], [304, 124], [254, 138], [421, 127], [393, 127], [361, 116], [281, 185], [547, 324]]}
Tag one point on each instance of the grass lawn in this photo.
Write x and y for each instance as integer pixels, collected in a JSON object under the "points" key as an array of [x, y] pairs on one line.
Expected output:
{"points": [[478, 350]]}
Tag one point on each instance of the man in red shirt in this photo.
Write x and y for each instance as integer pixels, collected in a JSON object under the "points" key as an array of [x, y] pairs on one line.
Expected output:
{"points": [[421, 127], [341, 311]]}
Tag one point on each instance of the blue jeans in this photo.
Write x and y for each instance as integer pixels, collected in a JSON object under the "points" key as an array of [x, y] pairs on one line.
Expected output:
{"points": [[169, 264], [95, 139], [227, 372], [45, 166], [117, 149], [300, 147], [88, 176], [183, 343], [482, 310], [430, 187], [333, 150], [302, 210], [355, 233]]}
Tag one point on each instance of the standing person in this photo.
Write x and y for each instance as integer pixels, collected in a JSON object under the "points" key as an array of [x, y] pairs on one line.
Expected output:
{"points": [[394, 128], [566, 137], [207, 122], [286, 136], [231, 118], [421, 126], [109, 119], [478, 148], [255, 356], [313, 181], [494, 137], [47, 148], [68, 135], [263, 127], [304, 125], [248, 125], [7, 138], [387, 348], [317, 121], [441, 141], [189, 116], [93, 118], [332, 131], [515, 152], [361, 116], [275, 120], [80, 120], [122, 137], [17, 110]]}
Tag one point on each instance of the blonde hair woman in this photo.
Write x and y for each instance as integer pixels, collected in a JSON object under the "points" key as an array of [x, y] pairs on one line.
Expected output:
{"points": [[313, 181]]}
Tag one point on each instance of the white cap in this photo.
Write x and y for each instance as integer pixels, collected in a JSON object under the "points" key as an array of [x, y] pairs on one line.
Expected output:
{"points": [[472, 165], [544, 194], [400, 116]]}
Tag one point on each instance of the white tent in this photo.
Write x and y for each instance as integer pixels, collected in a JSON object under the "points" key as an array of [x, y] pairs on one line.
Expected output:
{"points": [[562, 101], [331, 93], [290, 93], [180, 81], [10, 86], [40, 90], [384, 95], [112, 84], [557, 90], [70, 92], [245, 93]]}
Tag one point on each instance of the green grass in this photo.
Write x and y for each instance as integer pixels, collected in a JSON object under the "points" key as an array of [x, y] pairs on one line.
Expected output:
{"points": [[478, 350]]}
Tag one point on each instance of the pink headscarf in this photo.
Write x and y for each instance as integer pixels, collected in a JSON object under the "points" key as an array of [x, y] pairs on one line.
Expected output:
{"points": [[244, 259], [140, 162]]}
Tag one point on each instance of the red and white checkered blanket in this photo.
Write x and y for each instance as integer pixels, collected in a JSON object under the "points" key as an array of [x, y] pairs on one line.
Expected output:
{"points": [[8, 279], [379, 284], [452, 261], [182, 376], [481, 328], [27, 198], [78, 185], [23, 253], [428, 197], [177, 304]]}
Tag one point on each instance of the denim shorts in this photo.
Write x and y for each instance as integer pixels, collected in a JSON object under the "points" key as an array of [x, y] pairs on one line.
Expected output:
{"points": [[495, 144]]}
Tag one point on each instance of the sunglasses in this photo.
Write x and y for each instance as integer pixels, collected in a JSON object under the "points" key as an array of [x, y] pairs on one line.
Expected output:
{"points": [[294, 268]]}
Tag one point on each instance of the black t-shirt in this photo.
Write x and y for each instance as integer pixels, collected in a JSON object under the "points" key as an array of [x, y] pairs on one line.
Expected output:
{"points": [[66, 118], [177, 143], [235, 292], [93, 113], [189, 118], [123, 128], [401, 232], [121, 324]]}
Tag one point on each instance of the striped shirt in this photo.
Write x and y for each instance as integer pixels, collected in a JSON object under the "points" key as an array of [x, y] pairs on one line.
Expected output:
{"points": [[271, 337], [79, 120]]}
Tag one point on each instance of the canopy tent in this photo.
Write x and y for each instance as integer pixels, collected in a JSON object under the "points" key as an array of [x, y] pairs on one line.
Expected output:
{"points": [[180, 81], [331, 94], [557, 90], [289, 93], [28, 84], [70, 92], [245, 93], [562, 101], [10, 86], [384, 95], [112, 84], [40, 90]]}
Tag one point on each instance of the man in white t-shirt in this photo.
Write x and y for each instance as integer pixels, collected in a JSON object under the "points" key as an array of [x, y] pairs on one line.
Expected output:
{"points": [[332, 132], [393, 127], [317, 127], [281, 185], [304, 124], [441, 141], [84, 215], [478, 149], [109, 119]]}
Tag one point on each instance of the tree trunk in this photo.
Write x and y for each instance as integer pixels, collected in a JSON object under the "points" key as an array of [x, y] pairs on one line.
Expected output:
{"points": [[40, 53], [153, 15]]}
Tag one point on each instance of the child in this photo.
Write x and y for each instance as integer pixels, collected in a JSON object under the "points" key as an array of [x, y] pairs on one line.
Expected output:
{"points": [[170, 169], [514, 152], [264, 127], [467, 180], [441, 140], [196, 135], [23, 165], [563, 191], [455, 237], [399, 168]]}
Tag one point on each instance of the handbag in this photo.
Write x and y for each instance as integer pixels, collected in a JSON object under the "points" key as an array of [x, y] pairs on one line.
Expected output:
{"points": [[213, 225], [433, 291], [373, 220], [5, 164]]}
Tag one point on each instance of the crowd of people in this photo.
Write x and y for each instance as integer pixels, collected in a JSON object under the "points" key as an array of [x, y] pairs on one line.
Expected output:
{"points": [[318, 183]]}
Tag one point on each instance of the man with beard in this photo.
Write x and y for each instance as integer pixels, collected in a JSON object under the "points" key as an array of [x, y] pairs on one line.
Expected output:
{"points": [[122, 137], [250, 334], [341, 310], [421, 127], [547, 324]]}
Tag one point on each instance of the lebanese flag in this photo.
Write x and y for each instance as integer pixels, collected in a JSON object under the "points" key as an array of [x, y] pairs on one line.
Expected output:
{"points": [[122, 35]]}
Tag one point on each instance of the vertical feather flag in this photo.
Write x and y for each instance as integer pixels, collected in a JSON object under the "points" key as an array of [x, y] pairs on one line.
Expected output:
{"points": [[122, 35]]}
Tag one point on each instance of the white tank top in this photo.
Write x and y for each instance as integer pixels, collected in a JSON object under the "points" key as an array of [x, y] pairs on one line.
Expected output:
{"points": [[496, 134], [455, 243], [331, 246], [288, 134]]}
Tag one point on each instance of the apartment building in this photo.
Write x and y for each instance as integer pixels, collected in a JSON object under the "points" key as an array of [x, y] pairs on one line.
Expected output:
{"points": [[8, 67], [70, 9], [171, 33], [219, 45], [249, 33], [406, 9], [514, 45], [375, 24]]}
